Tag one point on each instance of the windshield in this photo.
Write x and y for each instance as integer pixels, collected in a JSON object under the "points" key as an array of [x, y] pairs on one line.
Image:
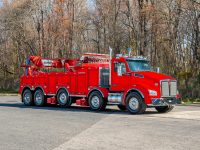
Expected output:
{"points": [[139, 65]]}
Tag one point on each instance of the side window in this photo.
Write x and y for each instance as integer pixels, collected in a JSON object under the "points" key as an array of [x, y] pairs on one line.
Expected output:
{"points": [[123, 67], [115, 67]]}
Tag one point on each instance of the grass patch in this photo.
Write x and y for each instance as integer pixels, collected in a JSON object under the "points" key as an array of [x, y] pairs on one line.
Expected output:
{"points": [[189, 101]]}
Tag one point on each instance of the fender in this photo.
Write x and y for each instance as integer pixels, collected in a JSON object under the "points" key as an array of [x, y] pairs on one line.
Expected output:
{"points": [[22, 88], [64, 89], [39, 87], [104, 92], [134, 89], [141, 90]]}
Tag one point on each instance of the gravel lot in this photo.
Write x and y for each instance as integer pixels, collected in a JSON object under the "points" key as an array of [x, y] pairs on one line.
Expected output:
{"points": [[54, 128]]}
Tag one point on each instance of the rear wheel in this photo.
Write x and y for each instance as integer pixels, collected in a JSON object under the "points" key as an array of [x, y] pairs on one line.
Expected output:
{"points": [[164, 109], [135, 104], [39, 98], [27, 97], [96, 101], [63, 98]]}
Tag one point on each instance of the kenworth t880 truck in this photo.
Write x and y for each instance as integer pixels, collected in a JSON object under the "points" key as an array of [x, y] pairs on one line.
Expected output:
{"points": [[97, 80]]}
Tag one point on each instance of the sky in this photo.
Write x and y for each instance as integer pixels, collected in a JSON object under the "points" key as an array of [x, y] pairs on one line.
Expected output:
{"points": [[91, 4], [1, 3]]}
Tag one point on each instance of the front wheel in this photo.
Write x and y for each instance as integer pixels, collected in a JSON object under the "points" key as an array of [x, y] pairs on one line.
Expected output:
{"points": [[164, 109], [135, 104]]}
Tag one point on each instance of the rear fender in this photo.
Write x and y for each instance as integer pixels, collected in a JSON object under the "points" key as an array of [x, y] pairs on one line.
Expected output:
{"points": [[22, 89], [104, 92], [39, 87], [64, 88]]}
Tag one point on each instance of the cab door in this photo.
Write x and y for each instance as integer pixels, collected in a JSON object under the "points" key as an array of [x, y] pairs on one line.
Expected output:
{"points": [[120, 77]]}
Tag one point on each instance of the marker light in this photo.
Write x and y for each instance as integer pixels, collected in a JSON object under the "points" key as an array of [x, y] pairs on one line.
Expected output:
{"points": [[152, 93]]}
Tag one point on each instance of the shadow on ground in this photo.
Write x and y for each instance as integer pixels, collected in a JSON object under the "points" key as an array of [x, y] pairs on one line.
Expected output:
{"points": [[70, 109]]}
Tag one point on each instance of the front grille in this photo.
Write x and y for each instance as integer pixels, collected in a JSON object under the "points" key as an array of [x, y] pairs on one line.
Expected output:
{"points": [[168, 88]]}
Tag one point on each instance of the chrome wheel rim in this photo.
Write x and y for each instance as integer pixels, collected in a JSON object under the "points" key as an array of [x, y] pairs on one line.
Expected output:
{"points": [[63, 98], [27, 98], [38, 98], [95, 101], [133, 103]]}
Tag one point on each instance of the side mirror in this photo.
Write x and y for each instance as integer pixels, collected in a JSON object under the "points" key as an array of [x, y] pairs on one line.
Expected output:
{"points": [[119, 70], [158, 70]]}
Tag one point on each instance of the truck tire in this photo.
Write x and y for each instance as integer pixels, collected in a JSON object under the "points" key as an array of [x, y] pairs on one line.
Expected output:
{"points": [[135, 104], [39, 98], [63, 98], [122, 107], [27, 97], [164, 109], [96, 101]]}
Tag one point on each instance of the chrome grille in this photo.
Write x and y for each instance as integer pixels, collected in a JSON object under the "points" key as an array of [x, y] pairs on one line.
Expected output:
{"points": [[168, 88], [173, 88], [165, 88]]}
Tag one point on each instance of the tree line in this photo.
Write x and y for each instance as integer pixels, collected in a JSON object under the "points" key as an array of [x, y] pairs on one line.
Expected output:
{"points": [[165, 31]]}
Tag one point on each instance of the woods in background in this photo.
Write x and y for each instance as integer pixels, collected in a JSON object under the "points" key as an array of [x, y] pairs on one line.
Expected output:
{"points": [[165, 31]]}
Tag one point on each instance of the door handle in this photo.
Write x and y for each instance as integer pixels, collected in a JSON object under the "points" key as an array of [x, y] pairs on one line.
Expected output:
{"points": [[127, 74]]}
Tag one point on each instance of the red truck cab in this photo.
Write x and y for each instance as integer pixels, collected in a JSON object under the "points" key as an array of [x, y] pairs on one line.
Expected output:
{"points": [[95, 80], [134, 79]]}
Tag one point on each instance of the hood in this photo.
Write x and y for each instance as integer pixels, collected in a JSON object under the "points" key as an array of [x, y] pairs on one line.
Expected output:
{"points": [[154, 76]]}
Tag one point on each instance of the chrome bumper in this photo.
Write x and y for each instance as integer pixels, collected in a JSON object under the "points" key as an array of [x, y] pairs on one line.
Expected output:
{"points": [[163, 102]]}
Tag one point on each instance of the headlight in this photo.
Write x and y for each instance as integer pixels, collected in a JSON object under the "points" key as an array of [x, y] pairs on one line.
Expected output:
{"points": [[152, 93]]}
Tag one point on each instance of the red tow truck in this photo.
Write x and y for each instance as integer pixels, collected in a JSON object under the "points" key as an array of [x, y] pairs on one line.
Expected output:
{"points": [[97, 80]]}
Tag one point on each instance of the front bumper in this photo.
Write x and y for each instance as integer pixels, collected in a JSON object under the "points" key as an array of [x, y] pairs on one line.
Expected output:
{"points": [[163, 101]]}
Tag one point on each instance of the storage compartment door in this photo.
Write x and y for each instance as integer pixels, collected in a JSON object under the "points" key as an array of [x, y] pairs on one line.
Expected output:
{"points": [[82, 83]]}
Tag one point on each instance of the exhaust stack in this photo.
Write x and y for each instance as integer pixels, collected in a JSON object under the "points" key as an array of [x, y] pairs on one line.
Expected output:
{"points": [[129, 52], [110, 65]]}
